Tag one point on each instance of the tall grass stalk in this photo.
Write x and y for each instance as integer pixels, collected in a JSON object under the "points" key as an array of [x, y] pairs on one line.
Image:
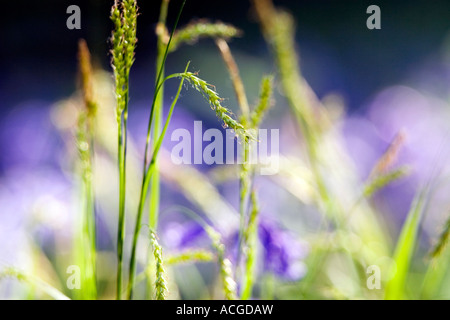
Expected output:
{"points": [[250, 118], [160, 61], [123, 39], [161, 47], [86, 248], [250, 239], [144, 188], [313, 122], [151, 167], [244, 175]]}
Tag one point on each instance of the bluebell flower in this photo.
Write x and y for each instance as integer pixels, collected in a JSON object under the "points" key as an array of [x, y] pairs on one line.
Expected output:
{"points": [[283, 251]]}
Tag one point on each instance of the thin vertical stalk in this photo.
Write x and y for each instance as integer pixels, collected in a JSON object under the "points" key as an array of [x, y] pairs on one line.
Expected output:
{"points": [[155, 181], [244, 178], [124, 16], [121, 224], [85, 137], [161, 48], [251, 233]]}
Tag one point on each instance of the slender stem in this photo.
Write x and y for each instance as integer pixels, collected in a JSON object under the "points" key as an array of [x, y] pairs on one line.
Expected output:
{"points": [[233, 70], [90, 230], [155, 184], [250, 240], [121, 225], [154, 196], [245, 172]]}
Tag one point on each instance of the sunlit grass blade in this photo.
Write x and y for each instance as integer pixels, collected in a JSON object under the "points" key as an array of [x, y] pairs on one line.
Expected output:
{"points": [[395, 288]]}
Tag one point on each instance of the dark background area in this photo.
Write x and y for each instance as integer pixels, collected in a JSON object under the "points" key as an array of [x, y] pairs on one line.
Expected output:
{"points": [[38, 52]]}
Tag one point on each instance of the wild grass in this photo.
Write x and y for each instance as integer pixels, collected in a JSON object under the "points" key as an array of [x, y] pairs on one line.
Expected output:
{"points": [[348, 236]]}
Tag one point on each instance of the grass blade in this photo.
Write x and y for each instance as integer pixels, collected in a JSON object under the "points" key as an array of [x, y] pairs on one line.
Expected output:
{"points": [[395, 288]]}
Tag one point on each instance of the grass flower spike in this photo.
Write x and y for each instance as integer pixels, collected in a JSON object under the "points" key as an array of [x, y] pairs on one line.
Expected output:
{"points": [[160, 283], [124, 16], [215, 102]]}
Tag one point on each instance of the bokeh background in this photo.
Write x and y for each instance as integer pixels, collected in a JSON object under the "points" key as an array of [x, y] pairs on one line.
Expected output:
{"points": [[387, 80]]}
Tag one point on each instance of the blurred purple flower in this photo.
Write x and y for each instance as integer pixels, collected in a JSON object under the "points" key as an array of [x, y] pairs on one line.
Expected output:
{"points": [[283, 251], [35, 196], [28, 138], [34, 204], [180, 236]]}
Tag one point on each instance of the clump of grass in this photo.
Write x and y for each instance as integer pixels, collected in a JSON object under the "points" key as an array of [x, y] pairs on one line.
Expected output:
{"points": [[123, 40], [252, 119], [150, 168], [165, 44], [148, 171]]}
